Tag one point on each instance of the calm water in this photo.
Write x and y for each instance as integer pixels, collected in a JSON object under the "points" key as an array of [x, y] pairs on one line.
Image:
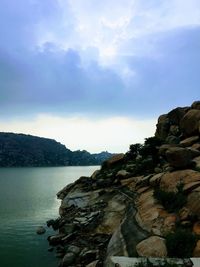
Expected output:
{"points": [[28, 200]]}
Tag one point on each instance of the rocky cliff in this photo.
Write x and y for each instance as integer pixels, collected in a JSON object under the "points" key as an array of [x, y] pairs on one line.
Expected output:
{"points": [[20, 150], [145, 203]]}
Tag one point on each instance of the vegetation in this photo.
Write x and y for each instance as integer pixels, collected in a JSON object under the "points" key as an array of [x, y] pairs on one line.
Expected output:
{"points": [[150, 264], [171, 201], [134, 151], [181, 243], [144, 156], [18, 150], [150, 148]]}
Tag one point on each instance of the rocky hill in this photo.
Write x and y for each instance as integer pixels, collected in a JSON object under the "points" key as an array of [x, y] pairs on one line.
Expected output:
{"points": [[145, 203], [20, 150]]}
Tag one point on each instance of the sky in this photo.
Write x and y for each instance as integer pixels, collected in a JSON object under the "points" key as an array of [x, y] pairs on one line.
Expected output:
{"points": [[93, 74]]}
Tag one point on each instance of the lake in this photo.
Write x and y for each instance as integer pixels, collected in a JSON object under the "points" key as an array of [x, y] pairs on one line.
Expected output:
{"points": [[28, 200]]}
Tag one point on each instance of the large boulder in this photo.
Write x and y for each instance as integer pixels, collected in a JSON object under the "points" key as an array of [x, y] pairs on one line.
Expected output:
{"points": [[176, 115], [178, 157], [196, 252], [170, 180], [116, 159], [189, 124], [168, 124], [196, 105], [193, 202], [189, 141], [153, 246], [163, 148], [197, 162], [150, 215], [68, 259], [162, 127]]}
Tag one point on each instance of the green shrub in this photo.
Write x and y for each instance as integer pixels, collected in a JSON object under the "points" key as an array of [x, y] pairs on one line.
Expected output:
{"points": [[171, 201], [181, 243], [134, 150], [144, 166], [150, 148]]}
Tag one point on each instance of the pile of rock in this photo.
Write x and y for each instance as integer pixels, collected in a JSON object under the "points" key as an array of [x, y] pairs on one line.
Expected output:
{"points": [[115, 213]]}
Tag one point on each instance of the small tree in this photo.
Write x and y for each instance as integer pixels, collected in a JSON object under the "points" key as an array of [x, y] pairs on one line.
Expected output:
{"points": [[134, 150], [181, 243]]}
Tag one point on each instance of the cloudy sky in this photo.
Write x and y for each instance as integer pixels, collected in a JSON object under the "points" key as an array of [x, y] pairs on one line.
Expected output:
{"points": [[96, 74]]}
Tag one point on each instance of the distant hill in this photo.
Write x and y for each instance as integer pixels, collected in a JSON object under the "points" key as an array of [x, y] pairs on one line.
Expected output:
{"points": [[20, 150]]}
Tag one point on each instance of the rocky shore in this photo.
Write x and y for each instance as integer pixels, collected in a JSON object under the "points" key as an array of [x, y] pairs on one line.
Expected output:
{"points": [[142, 204]]}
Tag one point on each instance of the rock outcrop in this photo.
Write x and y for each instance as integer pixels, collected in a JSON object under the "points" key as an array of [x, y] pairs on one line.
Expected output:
{"points": [[139, 204]]}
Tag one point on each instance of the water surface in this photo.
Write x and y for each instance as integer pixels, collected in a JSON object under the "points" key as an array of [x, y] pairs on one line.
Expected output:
{"points": [[28, 200]]}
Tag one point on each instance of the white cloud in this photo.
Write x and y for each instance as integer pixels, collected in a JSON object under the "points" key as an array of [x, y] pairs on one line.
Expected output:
{"points": [[108, 25], [114, 134]]}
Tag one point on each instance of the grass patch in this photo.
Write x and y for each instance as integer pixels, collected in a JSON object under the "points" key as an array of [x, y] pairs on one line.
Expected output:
{"points": [[171, 201]]}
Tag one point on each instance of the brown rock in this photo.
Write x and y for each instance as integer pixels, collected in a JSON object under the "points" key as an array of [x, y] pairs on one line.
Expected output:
{"points": [[196, 252], [122, 174], [196, 105], [176, 115], [169, 181], [194, 152], [191, 186], [171, 139], [193, 203], [196, 228], [114, 160], [150, 215], [184, 214], [169, 224], [189, 124], [153, 246], [189, 141], [155, 180], [162, 149], [178, 157], [196, 146], [174, 130], [162, 127], [197, 162], [128, 181], [144, 181], [143, 189]]}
